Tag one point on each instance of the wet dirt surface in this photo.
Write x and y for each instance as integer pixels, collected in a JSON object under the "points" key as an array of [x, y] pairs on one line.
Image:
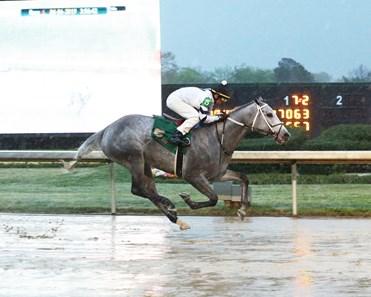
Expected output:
{"points": [[66, 255]]}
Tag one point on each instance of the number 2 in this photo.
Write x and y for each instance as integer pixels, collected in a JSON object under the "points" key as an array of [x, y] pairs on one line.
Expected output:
{"points": [[339, 100]]}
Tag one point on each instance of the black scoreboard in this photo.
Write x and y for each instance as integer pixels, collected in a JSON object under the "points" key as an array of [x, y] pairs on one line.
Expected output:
{"points": [[314, 107]]}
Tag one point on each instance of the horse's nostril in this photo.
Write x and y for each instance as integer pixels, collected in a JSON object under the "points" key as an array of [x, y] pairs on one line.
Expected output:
{"points": [[287, 135]]}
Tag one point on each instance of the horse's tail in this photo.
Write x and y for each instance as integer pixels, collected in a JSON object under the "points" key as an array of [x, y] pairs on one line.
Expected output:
{"points": [[90, 144]]}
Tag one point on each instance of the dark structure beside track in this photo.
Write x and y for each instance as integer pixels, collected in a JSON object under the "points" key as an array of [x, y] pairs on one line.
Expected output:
{"points": [[42, 141]]}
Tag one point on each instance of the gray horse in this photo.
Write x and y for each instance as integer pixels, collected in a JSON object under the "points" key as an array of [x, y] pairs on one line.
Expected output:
{"points": [[128, 142]]}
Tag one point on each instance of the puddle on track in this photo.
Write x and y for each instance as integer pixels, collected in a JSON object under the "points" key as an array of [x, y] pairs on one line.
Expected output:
{"points": [[94, 255]]}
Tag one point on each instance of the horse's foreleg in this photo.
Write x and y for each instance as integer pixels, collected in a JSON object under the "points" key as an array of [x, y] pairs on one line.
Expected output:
{"points": [[242, 178], [144, 186], [164, 204], [168, 208]]}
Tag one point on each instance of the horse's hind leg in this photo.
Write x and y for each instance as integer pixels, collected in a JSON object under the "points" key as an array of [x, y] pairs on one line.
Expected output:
{"points": [[242, 178], [202, 185], [143, 185]]}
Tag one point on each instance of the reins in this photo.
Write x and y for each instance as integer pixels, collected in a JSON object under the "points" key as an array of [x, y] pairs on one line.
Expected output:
{"points": [[221, 141]]}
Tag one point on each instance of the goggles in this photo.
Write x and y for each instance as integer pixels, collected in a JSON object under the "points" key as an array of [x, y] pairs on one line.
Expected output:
{"points": [[223, 97]]}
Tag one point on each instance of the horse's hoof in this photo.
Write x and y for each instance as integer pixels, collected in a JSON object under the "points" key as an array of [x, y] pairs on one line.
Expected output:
{"points": [[69, 166], [182, 225], [185, 196], [241, 213]]}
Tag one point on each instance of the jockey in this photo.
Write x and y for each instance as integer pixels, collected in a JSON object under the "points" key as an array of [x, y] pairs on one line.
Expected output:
{"points": [[195, 105]]}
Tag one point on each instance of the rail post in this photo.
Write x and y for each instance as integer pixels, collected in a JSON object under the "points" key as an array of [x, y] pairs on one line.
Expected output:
{"points": [[113, 188], [294, 192]]}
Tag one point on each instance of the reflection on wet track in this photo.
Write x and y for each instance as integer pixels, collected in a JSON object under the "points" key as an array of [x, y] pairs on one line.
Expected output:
{"points": [[46, 255]]}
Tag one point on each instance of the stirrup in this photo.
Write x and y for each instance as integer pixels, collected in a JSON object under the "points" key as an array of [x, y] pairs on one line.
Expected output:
{"points": [[178, 141], [186, 141]]}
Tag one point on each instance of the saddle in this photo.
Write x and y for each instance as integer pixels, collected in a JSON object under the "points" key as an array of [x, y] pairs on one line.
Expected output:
{"points": [[163, 127], [177, 121]]}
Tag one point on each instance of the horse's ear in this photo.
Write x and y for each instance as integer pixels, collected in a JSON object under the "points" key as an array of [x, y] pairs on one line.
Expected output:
{"points": [[257, 101]]}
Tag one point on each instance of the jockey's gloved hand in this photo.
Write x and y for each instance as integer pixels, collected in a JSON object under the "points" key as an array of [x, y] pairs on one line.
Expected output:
{"points": [[222, 116]]}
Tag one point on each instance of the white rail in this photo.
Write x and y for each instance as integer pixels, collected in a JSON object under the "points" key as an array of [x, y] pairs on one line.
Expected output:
{"points": [[302, 157], [270, 157]]}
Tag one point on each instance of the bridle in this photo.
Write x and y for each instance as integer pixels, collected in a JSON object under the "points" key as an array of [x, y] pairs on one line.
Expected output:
{"points": [[252, 128]]}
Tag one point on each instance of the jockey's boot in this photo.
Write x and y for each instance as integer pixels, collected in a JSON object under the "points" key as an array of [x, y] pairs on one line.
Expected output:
{"points": [[179, 139]]}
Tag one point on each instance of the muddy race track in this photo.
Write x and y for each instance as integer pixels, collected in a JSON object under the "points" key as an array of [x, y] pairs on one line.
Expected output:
{"points": [[46, 255]]}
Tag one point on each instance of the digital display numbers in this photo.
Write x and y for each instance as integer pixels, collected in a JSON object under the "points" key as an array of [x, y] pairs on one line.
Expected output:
{"points": [[71, 11], [296, 111]]}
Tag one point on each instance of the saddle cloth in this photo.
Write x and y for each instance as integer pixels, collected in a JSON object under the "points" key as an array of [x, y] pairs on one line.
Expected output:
{"points": [[162, 129]]}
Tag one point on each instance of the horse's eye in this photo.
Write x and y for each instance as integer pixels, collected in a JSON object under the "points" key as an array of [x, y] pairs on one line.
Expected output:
{"points": [[270, 115]]}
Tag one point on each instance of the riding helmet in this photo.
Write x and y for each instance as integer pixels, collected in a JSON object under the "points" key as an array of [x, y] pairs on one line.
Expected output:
{"points": [[223, 90]]}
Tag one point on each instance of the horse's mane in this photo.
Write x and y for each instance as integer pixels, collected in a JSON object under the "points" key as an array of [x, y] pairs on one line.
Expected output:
{"points": [[241, 106]]}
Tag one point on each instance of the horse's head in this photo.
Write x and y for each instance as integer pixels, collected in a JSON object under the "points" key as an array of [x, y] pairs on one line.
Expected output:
{"points": [[267, 122]]}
